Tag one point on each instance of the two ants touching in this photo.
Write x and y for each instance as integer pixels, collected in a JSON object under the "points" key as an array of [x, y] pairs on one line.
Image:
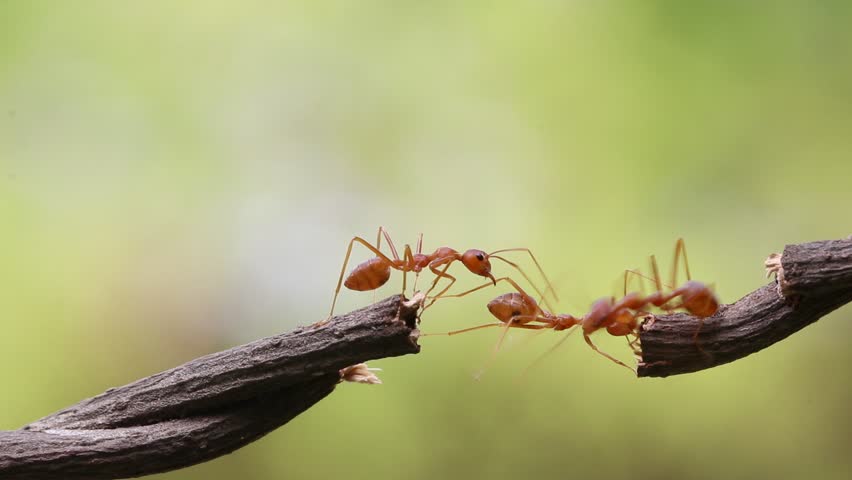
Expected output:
{"points": [[619, 317]]}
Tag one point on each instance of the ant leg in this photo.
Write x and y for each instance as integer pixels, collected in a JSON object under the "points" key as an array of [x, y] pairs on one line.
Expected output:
{"points": [[439, 274], [478, 327], [384, 232], [510, 324], [549, 351], [408, 260], [419, 252], [548, 321], [680, 250], [515, 322], [466, 292], [457, 295], [502, 337], [540, 270], [695, 337], [416, 278], [697, 332], [655, 271], [595, 348], [527, 278], [629, 274], [392, 247], [343, 270], [464, 330], [538, 265], [630, 342], [488, 284]]}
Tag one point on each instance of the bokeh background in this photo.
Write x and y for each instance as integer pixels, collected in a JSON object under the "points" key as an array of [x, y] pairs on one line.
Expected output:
{"points": [[181, 177]]}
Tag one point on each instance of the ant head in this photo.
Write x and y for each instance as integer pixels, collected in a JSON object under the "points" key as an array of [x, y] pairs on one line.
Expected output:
{"points": [[699, 299], [477, 262], [510, 305]]}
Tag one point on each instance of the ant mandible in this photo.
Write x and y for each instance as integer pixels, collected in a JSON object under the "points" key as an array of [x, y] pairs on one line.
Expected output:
{"points": [[375, 272]]}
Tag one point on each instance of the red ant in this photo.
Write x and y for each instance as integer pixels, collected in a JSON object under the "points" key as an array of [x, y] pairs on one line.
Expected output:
{"points": [[375, 272], [696, 298], [520, 310]]}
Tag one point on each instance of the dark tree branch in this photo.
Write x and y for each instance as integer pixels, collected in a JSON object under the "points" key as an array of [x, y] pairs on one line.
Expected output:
{"points": [[813, 280], [207, 407]]}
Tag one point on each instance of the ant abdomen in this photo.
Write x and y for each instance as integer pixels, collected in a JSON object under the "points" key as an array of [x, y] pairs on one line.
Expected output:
{"points": [[699, 299], [369, 275], [510, 305]]}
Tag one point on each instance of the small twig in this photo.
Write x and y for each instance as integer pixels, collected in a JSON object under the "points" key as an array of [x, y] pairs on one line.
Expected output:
{"points": [[813, 280], [210, 406]]}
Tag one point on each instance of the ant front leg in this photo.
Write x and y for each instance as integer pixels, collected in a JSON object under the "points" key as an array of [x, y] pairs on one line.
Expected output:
{"points": [[479, 327], [542, 296], [484, 285], [439, 274], [464, 330], [540, 270], [595, 348]]}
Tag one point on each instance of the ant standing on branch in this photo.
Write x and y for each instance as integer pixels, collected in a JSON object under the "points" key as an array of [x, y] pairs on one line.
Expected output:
{"points": [[375, 272]]}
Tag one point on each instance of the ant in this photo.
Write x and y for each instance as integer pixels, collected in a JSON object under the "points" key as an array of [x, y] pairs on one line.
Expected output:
{"points": [[696, 298], [618, 317], [375, 272]]}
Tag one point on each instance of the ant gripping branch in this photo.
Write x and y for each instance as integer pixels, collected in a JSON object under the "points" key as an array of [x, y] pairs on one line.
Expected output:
{"points": [[619, 317], [375, 272]]}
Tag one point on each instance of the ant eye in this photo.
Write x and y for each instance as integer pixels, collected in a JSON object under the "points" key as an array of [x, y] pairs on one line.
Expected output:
{"points": [[480, 257]]}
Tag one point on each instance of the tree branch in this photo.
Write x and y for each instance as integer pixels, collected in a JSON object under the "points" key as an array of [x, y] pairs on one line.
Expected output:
{"points": [[209, 406], [813, 279]]}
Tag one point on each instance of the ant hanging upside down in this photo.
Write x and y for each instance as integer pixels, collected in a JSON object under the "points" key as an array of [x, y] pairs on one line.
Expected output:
{"points": [[618, 316], [375, 272]]}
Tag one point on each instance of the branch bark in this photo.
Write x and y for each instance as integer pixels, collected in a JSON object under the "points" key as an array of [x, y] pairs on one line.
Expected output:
{"points": [[813, 279], [209, 406]]}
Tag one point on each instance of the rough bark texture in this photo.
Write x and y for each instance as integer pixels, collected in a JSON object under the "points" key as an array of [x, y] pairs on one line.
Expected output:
{"points": [[817, 268], [815, 279], [207, 407]]}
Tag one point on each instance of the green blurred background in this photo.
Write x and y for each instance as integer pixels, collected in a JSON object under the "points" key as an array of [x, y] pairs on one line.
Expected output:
{"points": [[180, 177]]}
